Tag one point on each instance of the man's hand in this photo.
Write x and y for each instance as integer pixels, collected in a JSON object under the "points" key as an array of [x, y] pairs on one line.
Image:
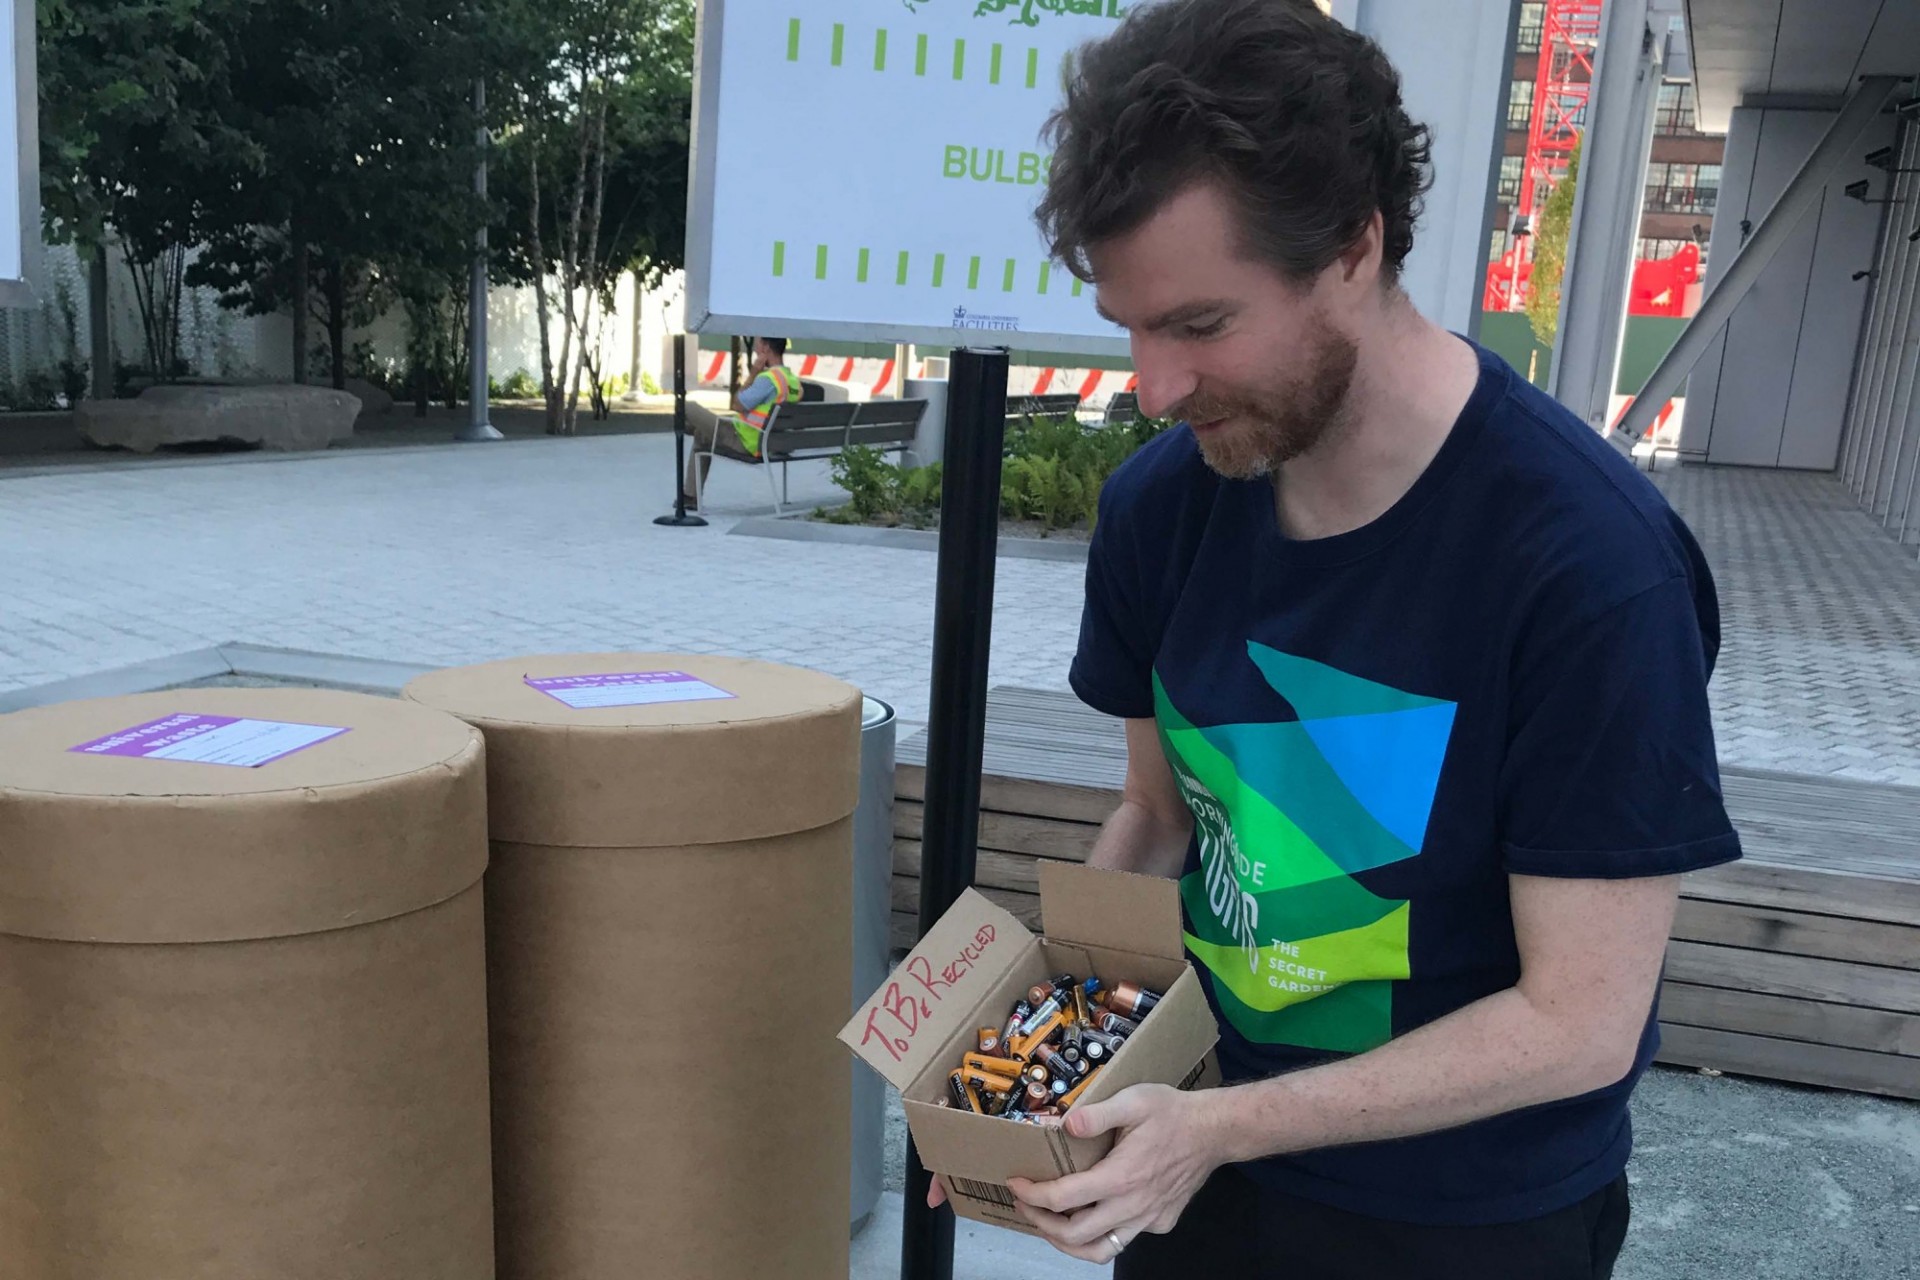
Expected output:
{"points": [[1165, 1152]]}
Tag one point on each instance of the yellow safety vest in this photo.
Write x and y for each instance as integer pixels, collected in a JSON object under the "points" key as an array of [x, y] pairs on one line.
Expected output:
{"points": [[749, 428]]}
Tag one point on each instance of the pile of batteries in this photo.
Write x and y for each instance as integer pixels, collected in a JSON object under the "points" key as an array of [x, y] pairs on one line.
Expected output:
{"points": [[1053, 1045]]}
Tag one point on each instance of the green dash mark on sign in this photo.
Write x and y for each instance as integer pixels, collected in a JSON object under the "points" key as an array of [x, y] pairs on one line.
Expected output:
{"points": [[920, 55], [793, 39], [1046, 275], [973, 273], [939, 269], [820, 263], [1006, 280], [1033, 68], [993, 66], [839, 42], [900, 276], [880, 49], [779, 257], [860, 272], [1078, 285], [959, 59]]}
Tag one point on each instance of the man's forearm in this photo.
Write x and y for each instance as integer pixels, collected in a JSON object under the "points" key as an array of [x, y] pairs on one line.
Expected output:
{"points": [[1496, 1055], [1137, 839]]}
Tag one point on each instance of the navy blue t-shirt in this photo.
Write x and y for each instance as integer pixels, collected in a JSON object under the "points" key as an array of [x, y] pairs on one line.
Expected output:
{"points": [[1506, 673]]}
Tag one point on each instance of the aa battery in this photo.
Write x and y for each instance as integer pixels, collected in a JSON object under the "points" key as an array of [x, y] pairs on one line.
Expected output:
{"points": [[989, 1041], [1057, 1064], [1011, 1034], [1043, 1012], [1043, 1033], [963, 1095], [1073, 1095], [988, 1065], [990, 1081], [1114, 1024]]}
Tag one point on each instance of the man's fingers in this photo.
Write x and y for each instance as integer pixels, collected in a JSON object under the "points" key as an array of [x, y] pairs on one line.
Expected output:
{"points": [[1123, 1110], [1051, 1225], [1064, 1195], [936, 1194]]}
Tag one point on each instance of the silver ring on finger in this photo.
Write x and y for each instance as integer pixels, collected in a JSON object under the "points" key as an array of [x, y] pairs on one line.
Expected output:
{"points": [[1119, 1245]]}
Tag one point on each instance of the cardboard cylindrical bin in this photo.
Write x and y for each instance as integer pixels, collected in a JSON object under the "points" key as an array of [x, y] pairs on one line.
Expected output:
{"points": [[668, 931], [242, 990]]}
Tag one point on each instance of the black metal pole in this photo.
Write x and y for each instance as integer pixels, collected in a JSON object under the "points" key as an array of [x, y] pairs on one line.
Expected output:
{"points": [[957, 717], [680, 517]]}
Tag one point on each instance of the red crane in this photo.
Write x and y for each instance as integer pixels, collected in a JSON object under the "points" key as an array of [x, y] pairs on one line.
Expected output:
{"points": [[1569, 35]]}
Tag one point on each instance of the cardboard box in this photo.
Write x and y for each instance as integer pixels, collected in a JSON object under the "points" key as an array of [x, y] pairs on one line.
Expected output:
{"points": [[968, 972], [668, 932], [242, 990]]}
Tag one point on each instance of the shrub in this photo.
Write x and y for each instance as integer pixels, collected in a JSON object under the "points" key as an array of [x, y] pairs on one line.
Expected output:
{"points": [[1053, 473]]}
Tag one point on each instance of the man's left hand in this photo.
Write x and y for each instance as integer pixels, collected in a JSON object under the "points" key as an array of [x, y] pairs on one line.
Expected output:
{"points": [[1165, 1152]]}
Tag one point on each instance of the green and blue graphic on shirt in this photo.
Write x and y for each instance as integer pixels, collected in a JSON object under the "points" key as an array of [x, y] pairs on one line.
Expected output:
{"points": [[1286, 814]]}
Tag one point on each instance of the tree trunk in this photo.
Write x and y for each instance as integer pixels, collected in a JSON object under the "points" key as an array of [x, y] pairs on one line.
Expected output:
{"points": [[540, 306], [559, 413], [459, 369], [177, 280], [591, 260], [300, 265], [337, 320], [99, 327]]}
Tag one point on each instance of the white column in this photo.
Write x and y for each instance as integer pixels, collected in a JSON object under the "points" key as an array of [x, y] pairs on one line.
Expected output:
{"points": [[1606, 212], [1455, 60]]}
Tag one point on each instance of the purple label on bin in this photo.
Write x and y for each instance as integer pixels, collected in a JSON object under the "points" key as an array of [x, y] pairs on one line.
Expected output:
{"points": [[197, 739], [626, 689]]}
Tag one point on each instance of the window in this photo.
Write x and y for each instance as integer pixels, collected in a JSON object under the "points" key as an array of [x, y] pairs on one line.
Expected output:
{"points": [[1674, 114], [1652, 249], [1512, 169], [1683, 188], [1519, 104], [1497, 247], [1533, 26]]}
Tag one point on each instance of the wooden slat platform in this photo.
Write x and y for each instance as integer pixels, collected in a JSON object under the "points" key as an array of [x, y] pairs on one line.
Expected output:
{"points": [[1800, 962]]}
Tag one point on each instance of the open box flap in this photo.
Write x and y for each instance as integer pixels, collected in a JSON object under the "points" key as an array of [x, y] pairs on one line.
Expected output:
{"points": [[903, 1027], [1115, 909]]}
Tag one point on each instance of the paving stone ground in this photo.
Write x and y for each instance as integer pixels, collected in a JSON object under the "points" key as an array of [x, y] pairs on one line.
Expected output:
{"points": [[454, 554]]}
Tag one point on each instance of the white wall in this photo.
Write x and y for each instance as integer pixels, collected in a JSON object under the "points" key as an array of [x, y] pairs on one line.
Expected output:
{"points": [[1454, 61], [513, 331], [1771, 391]]}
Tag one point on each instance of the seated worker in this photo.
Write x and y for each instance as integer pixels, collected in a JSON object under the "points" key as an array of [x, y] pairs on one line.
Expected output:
{"points": [[770, 384]]}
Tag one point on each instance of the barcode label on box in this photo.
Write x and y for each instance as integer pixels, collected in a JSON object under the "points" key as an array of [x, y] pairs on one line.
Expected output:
{"points": [[986, 1192], [1193, 1076]]}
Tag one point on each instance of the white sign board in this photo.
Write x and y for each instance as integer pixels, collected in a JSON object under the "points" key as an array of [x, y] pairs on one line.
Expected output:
{"points": [[19, 151], [908, 216]]}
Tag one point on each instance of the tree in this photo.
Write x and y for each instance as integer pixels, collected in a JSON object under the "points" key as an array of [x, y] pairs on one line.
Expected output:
{"points": [[356, 176], [1550, 253], [126, 141], [592, 170]]}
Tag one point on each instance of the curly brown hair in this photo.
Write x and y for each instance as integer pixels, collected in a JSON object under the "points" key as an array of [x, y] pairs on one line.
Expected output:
{"points": [[1296, 117]]}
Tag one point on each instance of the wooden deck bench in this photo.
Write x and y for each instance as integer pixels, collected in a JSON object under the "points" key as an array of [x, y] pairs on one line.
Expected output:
{"points": [[798, 431], [1800, 962]]}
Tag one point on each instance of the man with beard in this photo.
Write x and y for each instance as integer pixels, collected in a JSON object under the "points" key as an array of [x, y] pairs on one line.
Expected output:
{"points": [[1413, 668]]}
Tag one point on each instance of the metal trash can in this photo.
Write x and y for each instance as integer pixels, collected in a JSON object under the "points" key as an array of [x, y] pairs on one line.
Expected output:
{"points": [[872, 929]]}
